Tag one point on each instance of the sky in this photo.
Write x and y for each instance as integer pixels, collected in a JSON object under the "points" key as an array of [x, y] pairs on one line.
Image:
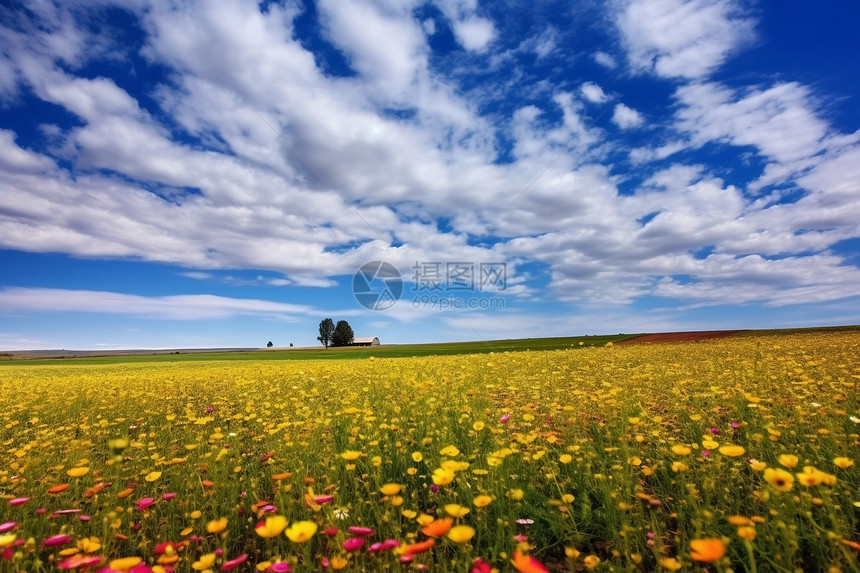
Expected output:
{"points": [[224, 173]]}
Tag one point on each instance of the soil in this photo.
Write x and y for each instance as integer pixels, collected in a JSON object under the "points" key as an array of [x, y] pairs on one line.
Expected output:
{"points": [[678, 336]]}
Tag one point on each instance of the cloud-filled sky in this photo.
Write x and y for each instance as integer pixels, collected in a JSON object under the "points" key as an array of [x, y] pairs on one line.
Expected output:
{"points": [[213, 173]]}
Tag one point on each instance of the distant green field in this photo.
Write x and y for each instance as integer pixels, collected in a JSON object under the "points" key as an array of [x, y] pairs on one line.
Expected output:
{"points": [[351, 352]]}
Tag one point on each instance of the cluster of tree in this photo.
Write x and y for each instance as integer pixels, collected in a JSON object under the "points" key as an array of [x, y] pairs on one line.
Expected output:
{"points": [[335, 335]]}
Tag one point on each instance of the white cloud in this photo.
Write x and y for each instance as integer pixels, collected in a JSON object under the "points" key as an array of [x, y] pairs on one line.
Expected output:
{"points": [[179, 307], [681, 38], [626, 117], [474, 33], [593, 92], [605, 60]]}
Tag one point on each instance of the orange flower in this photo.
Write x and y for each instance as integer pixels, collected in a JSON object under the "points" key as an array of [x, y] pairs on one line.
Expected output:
{"points": [[438, 528], [59, 488], [420, 547], [707, 550], [527, 564], [125, 493]]}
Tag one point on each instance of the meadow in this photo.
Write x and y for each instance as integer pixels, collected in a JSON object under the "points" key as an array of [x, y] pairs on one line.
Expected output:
{"points": [[736, 454]]}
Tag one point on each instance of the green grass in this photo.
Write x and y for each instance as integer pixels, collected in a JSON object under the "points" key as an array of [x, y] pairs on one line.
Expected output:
{"points": [[346, 353]]}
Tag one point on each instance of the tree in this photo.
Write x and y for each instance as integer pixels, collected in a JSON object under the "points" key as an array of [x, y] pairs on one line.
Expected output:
{"points": [[343, 334], [326, 332], [269, 345]]}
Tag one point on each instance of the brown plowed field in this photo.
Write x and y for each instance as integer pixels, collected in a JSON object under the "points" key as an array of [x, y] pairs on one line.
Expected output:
{"points": [[678, 336]]}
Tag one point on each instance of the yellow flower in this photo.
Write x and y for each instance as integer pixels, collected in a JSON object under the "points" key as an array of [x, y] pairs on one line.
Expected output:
{"points": [[195, 514], [390, 489], [779, 479], [408, 513], [450, 451], [482, 500], [707, 550], [843, 463], [478, 426], [8, 539], [810, 478], [732, 451], [441, 476], [205, 562], [456, 510], [77, 472], [572, 552], [670, 564], [568, 498], [739, 520], [681, 450], [152, 476], [746, 532], [339, 562], [351, 455], [516, 494], [788, 460], [679, 467], [461, 533], [758, 466], [565, 458], [591, 561], [417, 456], [124, 564], [272, 527], [710, 444], [301, 531], [217, 525]]}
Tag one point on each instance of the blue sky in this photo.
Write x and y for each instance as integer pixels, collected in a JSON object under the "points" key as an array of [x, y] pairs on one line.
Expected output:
{"points": [[213, 174]]}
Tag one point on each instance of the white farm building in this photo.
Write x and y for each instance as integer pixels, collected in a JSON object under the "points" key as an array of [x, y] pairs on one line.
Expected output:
{"points": [[365, 341]]}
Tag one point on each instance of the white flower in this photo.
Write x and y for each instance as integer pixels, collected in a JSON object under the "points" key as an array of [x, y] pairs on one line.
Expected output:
{"points": [[341, 513]]}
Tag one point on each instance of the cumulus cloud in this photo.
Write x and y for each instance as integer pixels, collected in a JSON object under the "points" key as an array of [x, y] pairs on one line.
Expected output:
{"points": [[626, 117], [593, 92], [681, 38]]}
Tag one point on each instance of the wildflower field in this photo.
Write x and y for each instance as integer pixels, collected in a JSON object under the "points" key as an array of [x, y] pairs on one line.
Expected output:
{"points": [[738, 454]]}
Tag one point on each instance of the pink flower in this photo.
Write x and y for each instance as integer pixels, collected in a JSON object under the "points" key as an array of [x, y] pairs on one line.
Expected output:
{"points": [[407, 558], [76, 561], [363, 531], [520, 538], [706, 453], [383, 545], [84, 518], [8, 526], [735, 425], [284, 567], [504, 419], [481, 566], [715, 431], [66, 511], [434, 488], [144, 503], [210, 409], [233, 563], [19, 501], [168, 496], [353, 543], [56, 540], [323, 499]]}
